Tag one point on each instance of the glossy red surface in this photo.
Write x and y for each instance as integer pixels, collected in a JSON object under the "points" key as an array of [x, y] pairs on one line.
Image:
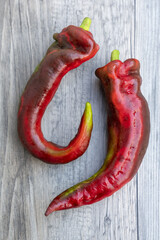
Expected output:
{"points": [[73, 46], [128, 126]]}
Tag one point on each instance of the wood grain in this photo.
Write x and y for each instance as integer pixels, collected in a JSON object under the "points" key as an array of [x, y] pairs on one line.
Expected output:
{"points": [[147, 37], [27, 185]]}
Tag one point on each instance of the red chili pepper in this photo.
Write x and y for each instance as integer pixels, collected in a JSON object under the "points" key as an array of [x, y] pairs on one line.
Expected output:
{"points": [[73, 46], [129, 127]]}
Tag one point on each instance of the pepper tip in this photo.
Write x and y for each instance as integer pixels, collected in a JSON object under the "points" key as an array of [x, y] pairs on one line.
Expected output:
{"points": [[88, 115], [48, 211]]}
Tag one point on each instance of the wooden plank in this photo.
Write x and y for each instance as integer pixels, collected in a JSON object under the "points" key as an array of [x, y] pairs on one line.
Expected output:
{"points": [[147, 37], [26, 184]]}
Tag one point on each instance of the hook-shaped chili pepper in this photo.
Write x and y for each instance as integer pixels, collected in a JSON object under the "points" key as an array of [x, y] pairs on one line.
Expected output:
{"points": [[129, 127], [73, 46]]}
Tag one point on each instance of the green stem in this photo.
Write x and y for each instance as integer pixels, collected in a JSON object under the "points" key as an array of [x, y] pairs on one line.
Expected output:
{"points": [[86, 23], [115, 55]]}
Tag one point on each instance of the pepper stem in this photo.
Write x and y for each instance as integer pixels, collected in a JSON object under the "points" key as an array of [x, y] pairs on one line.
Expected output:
{"points": [[115, 55], [86, 23]]}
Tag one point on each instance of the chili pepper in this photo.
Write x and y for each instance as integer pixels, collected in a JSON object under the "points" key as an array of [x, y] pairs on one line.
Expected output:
{"points": [[73, 46], [129, 127]]}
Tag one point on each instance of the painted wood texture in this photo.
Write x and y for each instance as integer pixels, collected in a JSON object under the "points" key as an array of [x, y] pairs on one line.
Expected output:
{"points": [[27, 185]]}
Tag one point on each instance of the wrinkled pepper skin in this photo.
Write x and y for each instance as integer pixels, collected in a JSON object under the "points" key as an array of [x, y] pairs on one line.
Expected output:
{"points": [[128, 126], [72, 47]]}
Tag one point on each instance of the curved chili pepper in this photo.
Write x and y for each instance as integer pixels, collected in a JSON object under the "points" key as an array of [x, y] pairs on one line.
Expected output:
{"points": [[128, 125], [73, 46]]}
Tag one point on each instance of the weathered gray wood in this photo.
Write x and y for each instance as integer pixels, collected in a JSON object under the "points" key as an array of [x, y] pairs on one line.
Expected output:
{"points": [[147, 37], [26, 184]]}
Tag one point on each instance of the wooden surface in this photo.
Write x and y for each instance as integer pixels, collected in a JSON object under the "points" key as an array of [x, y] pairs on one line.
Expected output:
{"points": [[27, 185]]}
